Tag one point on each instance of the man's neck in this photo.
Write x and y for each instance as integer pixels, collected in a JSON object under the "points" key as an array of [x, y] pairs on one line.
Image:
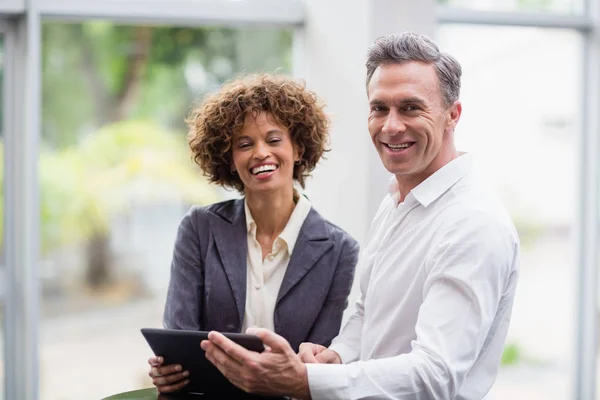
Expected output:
{"points": [[405, 186], [406, 183]]}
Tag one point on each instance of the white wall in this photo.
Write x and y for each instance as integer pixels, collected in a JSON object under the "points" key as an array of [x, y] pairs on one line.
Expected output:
{"points": [[331, 52], [348, 186], [330, 58]]}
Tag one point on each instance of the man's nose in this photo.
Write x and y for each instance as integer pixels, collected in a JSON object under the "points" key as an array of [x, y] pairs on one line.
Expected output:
{"points": [[394, 123]]}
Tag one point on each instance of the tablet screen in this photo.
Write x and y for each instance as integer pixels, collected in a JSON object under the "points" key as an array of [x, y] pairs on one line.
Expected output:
{"points": [[183, 347]]}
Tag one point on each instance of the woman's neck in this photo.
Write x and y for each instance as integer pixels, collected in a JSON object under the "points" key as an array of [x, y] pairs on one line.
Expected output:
{"points": [[271, 212]]}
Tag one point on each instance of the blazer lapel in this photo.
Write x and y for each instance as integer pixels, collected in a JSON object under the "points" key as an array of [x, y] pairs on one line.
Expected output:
{"points": [[229, 231], [313, 241]]}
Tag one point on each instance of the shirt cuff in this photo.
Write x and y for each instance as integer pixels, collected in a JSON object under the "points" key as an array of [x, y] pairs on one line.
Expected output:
{"points": [[327, 381], [346, 353]]}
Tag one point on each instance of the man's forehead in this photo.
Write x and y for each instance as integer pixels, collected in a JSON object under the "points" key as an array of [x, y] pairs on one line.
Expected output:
{"points": [[412, 76]]}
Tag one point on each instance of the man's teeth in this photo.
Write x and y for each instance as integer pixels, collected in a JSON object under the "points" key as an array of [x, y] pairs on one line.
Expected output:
{"points": [[399, 146], [263, 168]]}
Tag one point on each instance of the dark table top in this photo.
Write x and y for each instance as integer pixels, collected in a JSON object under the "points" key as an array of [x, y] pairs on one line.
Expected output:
{"points": [[152, 394]]}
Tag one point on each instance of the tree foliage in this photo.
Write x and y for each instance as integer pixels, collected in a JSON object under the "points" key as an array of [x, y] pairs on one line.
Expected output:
{"points": [[123, 165], [97, 73], [114, 100]]}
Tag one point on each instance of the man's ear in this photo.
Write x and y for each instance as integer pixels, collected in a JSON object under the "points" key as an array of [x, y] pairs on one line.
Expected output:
{"points": [[454, 113]]}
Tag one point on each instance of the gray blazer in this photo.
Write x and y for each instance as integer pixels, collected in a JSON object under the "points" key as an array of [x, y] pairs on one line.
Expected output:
{"points": [[207, 290]]}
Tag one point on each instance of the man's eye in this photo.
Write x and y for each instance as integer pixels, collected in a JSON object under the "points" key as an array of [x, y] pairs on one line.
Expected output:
{"points": [[377, 108], [411, 108]]}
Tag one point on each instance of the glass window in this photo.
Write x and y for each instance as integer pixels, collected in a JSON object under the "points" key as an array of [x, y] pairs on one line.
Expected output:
{"points": [[521, 119], [116, 179], [2, 258], [549, 6]]}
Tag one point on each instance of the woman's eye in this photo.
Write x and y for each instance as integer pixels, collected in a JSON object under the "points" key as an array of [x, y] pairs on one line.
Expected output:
{"points": [[244, 145]]}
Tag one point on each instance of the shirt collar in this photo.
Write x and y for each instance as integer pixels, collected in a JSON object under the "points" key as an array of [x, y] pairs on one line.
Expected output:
{"points": [[250, 224], [437, 184], [292, 229]]}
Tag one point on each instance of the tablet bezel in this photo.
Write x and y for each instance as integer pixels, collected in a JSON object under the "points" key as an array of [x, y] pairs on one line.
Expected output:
{"points": [[183, 347]]}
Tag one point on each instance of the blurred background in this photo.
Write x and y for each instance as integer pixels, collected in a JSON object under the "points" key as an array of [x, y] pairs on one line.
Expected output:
{"points": [[96, 173]]}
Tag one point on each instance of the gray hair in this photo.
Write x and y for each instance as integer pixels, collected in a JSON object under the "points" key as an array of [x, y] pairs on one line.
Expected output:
{"points": [[409, 46]]}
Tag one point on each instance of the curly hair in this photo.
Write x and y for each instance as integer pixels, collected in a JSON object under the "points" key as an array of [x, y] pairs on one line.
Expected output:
{"points": [[213, 123]]}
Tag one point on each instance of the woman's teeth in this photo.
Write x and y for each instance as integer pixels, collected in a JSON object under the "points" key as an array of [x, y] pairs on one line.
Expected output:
{"points": [[263, 168]]}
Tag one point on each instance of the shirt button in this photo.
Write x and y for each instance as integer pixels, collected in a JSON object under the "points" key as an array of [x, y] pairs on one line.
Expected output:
{"points": [[271, 258], [278, 245], [257, 286]]}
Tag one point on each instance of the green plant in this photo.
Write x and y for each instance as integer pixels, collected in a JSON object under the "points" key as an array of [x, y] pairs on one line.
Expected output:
{"points": [[511, 355], [529, 230], [113, 170], [118, 168]]}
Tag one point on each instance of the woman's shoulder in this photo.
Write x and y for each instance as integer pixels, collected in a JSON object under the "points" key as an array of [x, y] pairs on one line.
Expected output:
{"points": [[225, 209]]}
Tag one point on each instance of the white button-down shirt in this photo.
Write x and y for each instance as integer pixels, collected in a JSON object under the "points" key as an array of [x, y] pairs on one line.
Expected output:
{"points": [[439, 279], [264, 278]]}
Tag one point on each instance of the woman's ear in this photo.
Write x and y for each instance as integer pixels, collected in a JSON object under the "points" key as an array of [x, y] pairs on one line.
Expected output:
{"points": [[298, 153]]}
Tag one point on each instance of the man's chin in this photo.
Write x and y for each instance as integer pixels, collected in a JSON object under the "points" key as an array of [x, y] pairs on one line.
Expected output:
{"points": [[401, 170]]}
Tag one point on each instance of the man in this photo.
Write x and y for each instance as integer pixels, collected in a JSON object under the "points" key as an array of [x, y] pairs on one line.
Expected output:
{"points": [[440, 263]]}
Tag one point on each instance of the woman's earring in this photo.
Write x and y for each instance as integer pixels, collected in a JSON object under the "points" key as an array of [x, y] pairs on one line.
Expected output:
{"points": [[297, 162], [233, 171]]}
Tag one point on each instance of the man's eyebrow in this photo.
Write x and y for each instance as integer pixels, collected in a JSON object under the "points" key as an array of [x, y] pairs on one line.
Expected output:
{"points": [[376, 102], [412, 99], [406, 100]]}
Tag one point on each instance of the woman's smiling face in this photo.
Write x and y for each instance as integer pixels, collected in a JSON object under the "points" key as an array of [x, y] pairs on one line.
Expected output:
{"points": [[264, 155]]}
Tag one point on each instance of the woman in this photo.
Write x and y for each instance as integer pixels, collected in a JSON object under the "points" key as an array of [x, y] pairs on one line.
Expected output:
{"points": [[269, 259]]}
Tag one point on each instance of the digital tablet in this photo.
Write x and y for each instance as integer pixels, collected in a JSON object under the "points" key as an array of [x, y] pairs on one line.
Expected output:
{"points": [[183, 347]]}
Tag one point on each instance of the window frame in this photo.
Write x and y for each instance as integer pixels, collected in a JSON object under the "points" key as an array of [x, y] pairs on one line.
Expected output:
{"points": [[22, 32], [585, 345], [9, 7]]}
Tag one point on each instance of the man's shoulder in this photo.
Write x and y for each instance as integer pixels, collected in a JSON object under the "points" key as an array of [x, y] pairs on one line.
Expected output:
{"points": [[474, 203]]}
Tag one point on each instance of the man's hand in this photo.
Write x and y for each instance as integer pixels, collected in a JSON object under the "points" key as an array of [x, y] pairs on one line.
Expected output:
{"points": [[311, 353], [277, 371], [167, 378]]}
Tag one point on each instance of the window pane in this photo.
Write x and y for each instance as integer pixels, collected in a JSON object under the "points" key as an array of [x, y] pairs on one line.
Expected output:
{"points": [[521, 119], [116, 179], [550, 6], [2, 259]]}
